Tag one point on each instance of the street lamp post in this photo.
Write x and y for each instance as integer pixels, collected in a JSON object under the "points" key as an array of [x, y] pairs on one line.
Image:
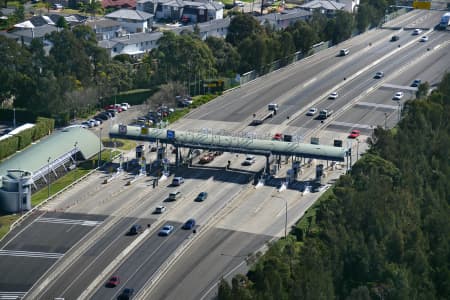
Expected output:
{"points": [[385, 121], [100, 148], [357, 149], [14, 118], [48, 177]]}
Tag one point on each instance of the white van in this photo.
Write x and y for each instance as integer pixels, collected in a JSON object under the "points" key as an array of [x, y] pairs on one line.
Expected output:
{"points": [[344, 52], [174, 196]]}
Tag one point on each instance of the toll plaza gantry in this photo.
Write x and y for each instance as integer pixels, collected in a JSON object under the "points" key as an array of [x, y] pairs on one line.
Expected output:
{"points": [[223, 143]]}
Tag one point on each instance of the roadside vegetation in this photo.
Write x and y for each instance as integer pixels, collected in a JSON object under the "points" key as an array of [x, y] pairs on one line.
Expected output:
{"points": [[78, 76], [384, 230]]}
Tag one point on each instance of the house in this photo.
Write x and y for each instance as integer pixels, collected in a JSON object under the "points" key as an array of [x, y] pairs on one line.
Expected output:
{"points": [[119, 3], [26, 34], [285, 18], [326, 7], [133, 21], [350, 5], [105, 29], [186, 11], [135, 45]]}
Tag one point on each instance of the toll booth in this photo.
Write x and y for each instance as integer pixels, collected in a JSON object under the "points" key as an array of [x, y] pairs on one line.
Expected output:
{"points": [[140, 151], [319, 174]]}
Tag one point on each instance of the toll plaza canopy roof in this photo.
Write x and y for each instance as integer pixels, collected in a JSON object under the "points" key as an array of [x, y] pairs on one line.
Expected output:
{"points": [[54, 146], [228, 143]]}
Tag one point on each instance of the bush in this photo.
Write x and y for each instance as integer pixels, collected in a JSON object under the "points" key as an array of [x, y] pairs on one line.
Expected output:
{"points": [[8, 146]]}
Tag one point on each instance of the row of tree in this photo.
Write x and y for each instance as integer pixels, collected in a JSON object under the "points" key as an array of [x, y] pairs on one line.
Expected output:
{"points": [[383, 233], [77, 74]]}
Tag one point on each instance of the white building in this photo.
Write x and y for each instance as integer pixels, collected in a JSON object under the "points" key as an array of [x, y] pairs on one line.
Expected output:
{"points": [[133, 21]]}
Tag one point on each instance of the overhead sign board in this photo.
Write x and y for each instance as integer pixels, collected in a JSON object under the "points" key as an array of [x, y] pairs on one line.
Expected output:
{"points": [[422, 4], [170, 134]]}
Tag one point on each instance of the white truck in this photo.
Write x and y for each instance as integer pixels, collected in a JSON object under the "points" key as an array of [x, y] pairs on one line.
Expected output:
{"points": [[258, 119], [325, 113], [445, 21]]}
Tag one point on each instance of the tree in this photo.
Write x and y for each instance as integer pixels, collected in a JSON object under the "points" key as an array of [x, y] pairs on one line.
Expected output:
{"points": [[342, 27], [241, 27], [226, 56], [422, 90], [62, 23], [224, 290], [363, 18], [304, 36]]}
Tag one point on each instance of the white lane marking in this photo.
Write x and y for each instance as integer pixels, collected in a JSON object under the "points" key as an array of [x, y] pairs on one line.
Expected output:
{"points": [[69, 221], [30, 254]]}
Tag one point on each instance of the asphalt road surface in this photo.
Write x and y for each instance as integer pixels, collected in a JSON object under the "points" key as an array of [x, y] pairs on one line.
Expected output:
{"points": [[78, 256]]}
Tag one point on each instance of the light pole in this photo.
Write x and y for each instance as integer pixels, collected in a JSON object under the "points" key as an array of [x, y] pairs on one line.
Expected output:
{"points": [[100, 148], [14, 118], [357, 149], [385, 121], [399, 111], [48, 177]]}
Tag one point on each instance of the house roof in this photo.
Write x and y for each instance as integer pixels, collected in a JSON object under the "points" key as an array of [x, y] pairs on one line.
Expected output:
{"points": [[102, 23], [57, 144], [214, 24], [119, 3], [285, 15], [324, 4], [36, 32], [129, 14], [138, 38]]}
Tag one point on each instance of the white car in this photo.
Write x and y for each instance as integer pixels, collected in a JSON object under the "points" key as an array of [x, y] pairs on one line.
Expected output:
{"points": [[160, 209], [249, 160], [166, 230], [240, 3], [333, 95], [95, 122], [424, 38], [417, 31], [125, 104], [87, 124], [312, 111], [398, 96]]}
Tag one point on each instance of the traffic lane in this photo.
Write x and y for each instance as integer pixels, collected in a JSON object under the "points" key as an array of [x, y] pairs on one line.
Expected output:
{"points": [[20, 273], [219, 194], [428, 19], [213, 256], [269, 86], [49, 237], [144, 262], [74, 280]]}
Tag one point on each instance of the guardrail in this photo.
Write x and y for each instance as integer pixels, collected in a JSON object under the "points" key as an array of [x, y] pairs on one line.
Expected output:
{"points": [[37, 207]]}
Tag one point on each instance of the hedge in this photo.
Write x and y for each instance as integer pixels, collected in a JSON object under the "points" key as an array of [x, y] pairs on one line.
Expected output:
{"points": [[134, 97], [11, 145]]}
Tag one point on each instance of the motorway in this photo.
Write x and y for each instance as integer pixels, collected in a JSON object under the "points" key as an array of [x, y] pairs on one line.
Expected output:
{"points": [[71, 247]]}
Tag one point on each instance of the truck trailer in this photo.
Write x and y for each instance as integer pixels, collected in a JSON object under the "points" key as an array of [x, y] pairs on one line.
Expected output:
{"points": [[445, 21]]}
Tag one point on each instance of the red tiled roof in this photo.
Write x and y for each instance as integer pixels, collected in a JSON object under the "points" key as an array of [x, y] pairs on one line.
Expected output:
{"points": [[119, 3]]}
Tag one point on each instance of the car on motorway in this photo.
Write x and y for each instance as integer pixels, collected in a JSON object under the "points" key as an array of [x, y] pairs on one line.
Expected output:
{"points": [[201, 197], [87, 124], [398, 96], [207, 158], [166, 230], [416, 82], [249, 160], [277, 136], [113, 281], [379, 75], [174, 196], [424, 39], [333, 95], [189, 224], [354, 134], [160, 209], [177, 181], [135, 229], [312, 111], [416, 31], [395, 38], [344, 52], [126, 294]]}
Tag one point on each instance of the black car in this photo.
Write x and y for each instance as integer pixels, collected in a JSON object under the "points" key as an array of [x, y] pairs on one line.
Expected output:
{"points": [[135, 229], [395, 38], [201, 197], [416, 82], [189, 224], [102, 116], [127, 293]]}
